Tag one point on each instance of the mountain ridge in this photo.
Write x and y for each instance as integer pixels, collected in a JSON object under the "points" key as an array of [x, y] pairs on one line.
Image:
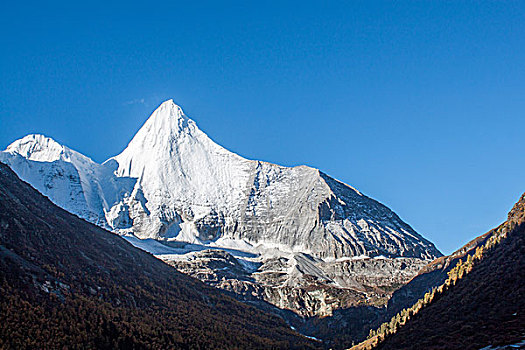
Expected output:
{"points": [[480, 303], [436, 272]]}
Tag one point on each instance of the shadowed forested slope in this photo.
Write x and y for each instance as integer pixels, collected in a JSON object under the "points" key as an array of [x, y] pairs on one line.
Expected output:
{"points": [[480, 303], [67, 283]]}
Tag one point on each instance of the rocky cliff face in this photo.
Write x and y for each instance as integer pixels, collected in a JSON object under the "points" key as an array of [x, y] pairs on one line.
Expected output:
{"points": [[300, 283]]}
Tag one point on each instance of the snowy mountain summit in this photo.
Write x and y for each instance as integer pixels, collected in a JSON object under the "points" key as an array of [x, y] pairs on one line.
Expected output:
{"points": [[174, 184]]}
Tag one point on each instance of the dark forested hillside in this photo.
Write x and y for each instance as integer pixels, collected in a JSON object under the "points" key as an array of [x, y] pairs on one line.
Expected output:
{"points": [[432, 275], [480, 303], [65, 283]]}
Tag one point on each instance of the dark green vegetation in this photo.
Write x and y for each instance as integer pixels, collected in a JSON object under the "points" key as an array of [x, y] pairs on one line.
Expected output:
{"points": [[480, 303], [65, 283]]}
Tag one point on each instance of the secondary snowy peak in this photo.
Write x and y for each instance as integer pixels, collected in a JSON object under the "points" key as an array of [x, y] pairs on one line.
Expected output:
{"points": [[39, 148], [70, 179], [65, 176], [173, 182]]}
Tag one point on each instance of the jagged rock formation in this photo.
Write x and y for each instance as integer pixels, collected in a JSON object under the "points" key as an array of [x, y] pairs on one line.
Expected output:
{"points": [[308, 286]]}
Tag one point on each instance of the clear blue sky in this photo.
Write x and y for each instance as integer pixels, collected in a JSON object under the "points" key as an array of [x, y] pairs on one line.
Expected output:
{"points": [[420, 105]]}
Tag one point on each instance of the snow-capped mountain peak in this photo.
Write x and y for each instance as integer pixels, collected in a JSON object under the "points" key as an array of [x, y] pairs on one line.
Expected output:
{"points": [[167, 135], [173, 182], [167, 118], [165, 123]]}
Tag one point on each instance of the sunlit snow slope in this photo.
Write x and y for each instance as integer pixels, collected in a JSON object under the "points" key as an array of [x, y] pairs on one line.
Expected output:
{"points": [[173, 182]]}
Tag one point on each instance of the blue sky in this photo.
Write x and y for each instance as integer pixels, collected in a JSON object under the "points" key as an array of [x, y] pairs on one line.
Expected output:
{"points": [[417, 104]]}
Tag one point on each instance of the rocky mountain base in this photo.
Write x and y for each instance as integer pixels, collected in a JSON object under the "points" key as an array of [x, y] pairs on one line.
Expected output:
{"points": [[300, 283]]}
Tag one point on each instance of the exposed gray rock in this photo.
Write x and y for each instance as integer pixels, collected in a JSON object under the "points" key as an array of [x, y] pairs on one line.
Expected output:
{"points": [[305, 285]]}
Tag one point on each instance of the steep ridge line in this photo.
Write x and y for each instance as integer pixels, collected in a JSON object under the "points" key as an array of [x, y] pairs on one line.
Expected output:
{"points": [[502, 246]]}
